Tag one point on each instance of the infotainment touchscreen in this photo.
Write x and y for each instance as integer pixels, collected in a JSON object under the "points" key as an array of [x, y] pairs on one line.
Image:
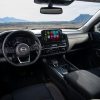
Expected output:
{"points": [[50, 36]]}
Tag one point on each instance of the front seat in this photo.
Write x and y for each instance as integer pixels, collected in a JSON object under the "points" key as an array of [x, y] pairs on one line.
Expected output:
{"points": [[36, 92], [95, 71]]}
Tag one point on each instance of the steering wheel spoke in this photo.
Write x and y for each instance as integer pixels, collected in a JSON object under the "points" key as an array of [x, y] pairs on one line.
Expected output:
{"points": [[35, 47], [24, 60]]}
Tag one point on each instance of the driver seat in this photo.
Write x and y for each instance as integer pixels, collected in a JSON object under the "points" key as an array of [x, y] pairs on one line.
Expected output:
{"points": [[36, 92]]}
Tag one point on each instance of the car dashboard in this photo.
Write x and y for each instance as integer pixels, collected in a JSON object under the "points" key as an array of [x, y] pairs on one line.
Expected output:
{"points": [[53, 41]]}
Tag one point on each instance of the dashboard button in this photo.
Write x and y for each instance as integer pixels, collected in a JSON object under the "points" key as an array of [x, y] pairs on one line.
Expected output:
{"points": [[62, 49], [55, 50], [47, 51]]}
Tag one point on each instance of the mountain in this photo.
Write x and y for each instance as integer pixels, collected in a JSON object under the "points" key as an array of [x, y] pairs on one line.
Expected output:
{"points": [[11, 20], [82, 18]]}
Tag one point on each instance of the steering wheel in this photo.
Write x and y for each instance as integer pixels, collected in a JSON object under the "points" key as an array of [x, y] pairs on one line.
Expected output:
{"points": [[21, 48]]}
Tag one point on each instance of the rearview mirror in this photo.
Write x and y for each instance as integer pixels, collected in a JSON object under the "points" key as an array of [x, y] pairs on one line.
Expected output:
{"points": [[52, 10]]}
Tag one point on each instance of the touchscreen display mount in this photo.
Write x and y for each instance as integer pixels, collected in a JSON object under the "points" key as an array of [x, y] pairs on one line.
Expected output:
{"points": [[51, 36]]}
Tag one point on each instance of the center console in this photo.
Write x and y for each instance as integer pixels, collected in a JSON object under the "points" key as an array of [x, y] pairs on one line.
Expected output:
{"points": [[59, 65], [75, 84], [53, 42]]}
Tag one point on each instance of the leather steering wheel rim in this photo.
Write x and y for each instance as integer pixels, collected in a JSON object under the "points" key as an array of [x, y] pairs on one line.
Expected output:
{"points": [[22, 64]]}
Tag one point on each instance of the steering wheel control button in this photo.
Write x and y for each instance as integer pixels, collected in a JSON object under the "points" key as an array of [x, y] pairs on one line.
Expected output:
{"points": [[22, 50]]}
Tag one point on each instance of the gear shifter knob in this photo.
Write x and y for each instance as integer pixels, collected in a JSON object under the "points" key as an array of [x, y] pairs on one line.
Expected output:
{"points": [[55, 63]]}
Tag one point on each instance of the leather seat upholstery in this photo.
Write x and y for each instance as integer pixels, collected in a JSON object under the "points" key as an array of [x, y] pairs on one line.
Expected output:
{"points": [[36, 92]]}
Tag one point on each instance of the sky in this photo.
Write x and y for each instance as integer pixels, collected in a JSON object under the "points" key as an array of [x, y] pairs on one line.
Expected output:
{"points": [[27, 10]]}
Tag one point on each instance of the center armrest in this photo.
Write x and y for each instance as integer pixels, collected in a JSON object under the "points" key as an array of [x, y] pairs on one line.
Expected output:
{"points": [[85, 83]]}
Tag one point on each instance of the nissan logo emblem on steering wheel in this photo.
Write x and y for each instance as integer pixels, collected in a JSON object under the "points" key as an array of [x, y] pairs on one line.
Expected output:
{"points": [[23, 49]]}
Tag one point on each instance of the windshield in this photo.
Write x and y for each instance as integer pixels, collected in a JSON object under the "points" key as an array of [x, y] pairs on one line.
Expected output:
{"points": [[25, 14]]}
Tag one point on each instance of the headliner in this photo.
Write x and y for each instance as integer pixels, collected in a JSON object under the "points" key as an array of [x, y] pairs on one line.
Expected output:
{"points": [[90, 0]]}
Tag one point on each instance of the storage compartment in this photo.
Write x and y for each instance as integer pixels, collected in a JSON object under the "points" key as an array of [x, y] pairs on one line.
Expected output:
{"points": [[85, 83]]}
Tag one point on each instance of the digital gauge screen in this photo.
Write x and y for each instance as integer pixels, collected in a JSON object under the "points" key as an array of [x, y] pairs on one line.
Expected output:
{"points": [[50, 36]]}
